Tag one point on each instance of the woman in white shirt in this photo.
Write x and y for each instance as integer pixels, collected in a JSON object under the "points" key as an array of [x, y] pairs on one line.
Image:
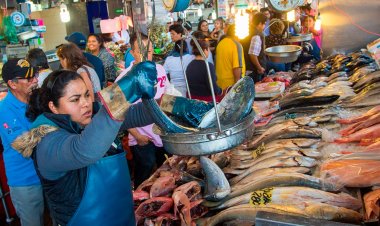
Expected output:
{"points": [[174, 68], [72, 58]]}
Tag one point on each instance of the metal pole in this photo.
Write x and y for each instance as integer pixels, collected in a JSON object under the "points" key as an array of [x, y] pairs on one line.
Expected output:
{"points": [[210, 81], [2, 196], [183, 69]]}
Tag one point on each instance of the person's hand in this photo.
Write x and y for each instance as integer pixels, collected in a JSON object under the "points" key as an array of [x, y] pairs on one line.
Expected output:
{"points": [[143, 140], [261, 70], [138, 83]]}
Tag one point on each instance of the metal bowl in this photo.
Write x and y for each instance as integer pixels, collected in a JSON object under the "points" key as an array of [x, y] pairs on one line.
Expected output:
{"points": [[208, 141], [300, 38], [283, 53]]}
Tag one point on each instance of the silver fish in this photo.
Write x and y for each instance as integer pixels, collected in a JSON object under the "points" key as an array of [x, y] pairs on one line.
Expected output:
{"points": [[247, 212], [217, 186], [284, 179], [293, 195], [282, 161], [256, 175]]}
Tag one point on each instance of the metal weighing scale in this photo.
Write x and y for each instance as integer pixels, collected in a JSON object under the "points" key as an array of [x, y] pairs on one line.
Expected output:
{"points": [[286, 53]]}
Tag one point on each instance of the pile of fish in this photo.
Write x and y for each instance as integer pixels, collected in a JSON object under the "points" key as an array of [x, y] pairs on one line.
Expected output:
{"points": [[174, 193], [317, 147]]}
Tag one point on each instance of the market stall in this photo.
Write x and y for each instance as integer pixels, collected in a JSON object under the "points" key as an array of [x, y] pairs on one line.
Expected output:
{"points": [[314, 155]]}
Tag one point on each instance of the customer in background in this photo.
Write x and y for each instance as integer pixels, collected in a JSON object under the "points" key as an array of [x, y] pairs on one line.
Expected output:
{"points": [[71, 58], [200, 35], [95, 45], [80, 40], [197, 75], [316, 42], [173, 66], [266, 12], [37, 58], [203, 27], [229, 60], [256, 49], [24, 184], [275, 39], [176, 31], [218, 31], [146, 146]]}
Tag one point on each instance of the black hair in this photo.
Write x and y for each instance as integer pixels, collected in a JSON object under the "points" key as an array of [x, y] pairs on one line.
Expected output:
{"points": [[177, 46], [259, 18], [52, 89], [107, 37], [264, 10], [37, 58], [200, 23], [133, 39], [98, 38], [188, 26], [177, 28], [202, 40]]}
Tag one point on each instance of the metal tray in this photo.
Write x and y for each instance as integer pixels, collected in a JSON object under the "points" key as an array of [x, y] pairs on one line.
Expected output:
{"points": [[283, 53], [299, 38], [208, 141]]}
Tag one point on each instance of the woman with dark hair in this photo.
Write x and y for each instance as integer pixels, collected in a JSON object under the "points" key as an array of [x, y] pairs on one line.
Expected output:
{"points": [[203, 27], [173, 66], [95, 45], [81, 165], [197, 76], [72, 58], [37, 58]]}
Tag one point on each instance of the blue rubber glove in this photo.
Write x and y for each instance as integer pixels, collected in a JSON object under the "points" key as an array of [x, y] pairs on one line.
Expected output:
{"points": [[138, 83]]}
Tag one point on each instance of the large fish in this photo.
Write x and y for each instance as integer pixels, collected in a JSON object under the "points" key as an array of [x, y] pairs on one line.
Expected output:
{"points": [[352, 172], [255, 175], [282, 131], [248, 212], [308, 101], [284, 179], [374, 119], [363, 117], [282, 161], [367, 133], [272, 155], [372, 205], [368, 80], [217, 186], [293, 195]]}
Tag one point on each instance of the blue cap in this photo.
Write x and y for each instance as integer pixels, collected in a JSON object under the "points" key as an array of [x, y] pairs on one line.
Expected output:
{"points": [[78, 39]]}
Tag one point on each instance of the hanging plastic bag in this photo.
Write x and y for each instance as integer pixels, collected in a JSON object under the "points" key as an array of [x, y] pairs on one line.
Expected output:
{"points": [[9, 30]]}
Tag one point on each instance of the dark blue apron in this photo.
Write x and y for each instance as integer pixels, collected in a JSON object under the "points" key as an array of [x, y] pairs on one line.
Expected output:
{"points": [[107, 199]]}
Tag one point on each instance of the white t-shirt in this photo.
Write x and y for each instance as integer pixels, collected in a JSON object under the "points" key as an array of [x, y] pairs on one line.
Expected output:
{"points": [[42, 76], [173, 67]]}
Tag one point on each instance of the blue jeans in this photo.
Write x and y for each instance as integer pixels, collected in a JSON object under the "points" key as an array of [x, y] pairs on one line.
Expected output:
{"points": [[29, 204]]}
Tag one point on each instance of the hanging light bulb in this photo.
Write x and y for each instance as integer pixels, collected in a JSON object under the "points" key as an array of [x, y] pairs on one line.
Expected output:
{"points": [[233, 10], [291, 16], [64, 13], [318, 23], [241, 19], [242, 24]]}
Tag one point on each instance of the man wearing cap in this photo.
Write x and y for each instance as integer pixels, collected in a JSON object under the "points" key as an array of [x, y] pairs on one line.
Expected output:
{"points": [[24, 184], [80, 40]]}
